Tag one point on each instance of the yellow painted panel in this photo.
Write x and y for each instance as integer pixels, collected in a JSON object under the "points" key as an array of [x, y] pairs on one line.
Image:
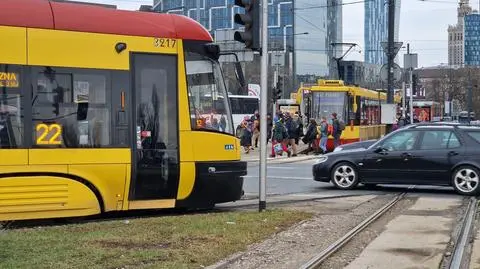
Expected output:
{"points": [[13, 45], [79, 156], [45, 197], [186, 146], [34, 168], [13, 157], [187, 180], [351, 132], [109, 179], [88, 50], [183, 108], [128, 181], [210, 146], [151, 204]]}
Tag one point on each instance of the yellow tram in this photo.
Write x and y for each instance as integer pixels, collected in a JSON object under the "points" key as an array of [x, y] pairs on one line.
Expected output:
{"points": [[359, 108], [98, 112]]}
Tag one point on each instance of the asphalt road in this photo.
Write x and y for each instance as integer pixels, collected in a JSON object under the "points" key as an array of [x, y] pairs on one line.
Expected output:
{"points": [[297, 177]]}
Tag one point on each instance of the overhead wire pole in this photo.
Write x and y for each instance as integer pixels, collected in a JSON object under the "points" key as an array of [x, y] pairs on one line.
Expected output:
{"points": [[262, 205], [352, 45], [390, 55]]}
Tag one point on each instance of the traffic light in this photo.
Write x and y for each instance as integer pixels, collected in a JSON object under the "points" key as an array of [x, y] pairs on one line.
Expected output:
{"points": [[276, 94], [57, 99], [251, 20], [279, 87], [414, 84]]}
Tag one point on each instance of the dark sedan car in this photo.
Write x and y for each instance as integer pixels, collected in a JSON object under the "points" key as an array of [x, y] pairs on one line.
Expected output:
{"points": [[421, 154]]}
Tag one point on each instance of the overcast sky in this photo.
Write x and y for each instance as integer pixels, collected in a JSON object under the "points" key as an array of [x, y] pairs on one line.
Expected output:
{"points": [[423, 24]]}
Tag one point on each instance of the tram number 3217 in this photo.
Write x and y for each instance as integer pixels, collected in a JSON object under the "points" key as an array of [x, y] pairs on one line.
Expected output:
{"points": [[48, 134], [164, 42]]}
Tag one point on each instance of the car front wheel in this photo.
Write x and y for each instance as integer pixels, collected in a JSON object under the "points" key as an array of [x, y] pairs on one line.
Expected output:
{"points": [[465, 180], [344, 176]]}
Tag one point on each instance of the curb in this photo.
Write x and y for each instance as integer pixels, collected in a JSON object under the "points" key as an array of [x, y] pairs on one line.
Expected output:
{"points": [[284, 159]]}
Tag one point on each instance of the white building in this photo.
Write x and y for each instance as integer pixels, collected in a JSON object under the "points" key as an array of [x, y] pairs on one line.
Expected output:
{"points": [[456, 55]]}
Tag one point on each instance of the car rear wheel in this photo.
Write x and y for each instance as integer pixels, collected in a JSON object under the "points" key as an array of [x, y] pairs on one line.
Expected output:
{"points": [[344, 176], [466, 180]]}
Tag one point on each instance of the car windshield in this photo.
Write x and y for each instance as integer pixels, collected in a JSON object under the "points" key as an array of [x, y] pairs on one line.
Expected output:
{"points": [[381, 140]]}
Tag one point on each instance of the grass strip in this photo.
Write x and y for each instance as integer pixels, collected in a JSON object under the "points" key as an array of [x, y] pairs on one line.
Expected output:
{"points": [[187, 241]]}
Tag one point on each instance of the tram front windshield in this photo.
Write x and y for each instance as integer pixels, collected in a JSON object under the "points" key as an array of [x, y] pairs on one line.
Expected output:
{"points": [[326, 103], [209, 104]]}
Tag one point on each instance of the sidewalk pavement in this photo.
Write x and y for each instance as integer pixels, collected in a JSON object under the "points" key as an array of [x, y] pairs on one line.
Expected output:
{"points": [[254, 156]]}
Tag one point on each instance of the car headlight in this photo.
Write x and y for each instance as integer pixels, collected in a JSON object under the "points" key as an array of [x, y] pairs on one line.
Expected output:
{"points": [[321, 159], [337, 149]]}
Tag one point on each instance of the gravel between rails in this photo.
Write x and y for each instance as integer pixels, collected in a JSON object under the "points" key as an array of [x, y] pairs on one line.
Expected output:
{"points": [[293, 247]]}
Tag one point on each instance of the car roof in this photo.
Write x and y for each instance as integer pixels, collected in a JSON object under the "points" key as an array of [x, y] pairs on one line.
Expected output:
{"points": [[442, 125]]}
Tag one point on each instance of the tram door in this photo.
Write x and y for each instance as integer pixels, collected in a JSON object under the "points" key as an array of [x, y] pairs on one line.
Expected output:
{"points": [[155, 164]]}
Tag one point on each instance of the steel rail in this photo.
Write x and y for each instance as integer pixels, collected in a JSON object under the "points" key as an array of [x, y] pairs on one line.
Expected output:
{"points": [[464, 235], [322, 256]]}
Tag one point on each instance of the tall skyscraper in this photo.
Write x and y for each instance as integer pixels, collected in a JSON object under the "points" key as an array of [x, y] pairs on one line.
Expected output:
{"points": [[472, 39], [455, 35], [376, 29]]}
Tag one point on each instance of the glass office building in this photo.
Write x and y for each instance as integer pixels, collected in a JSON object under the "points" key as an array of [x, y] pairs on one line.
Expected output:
{"points": [[472, 39], [218, 15], [306, 25], [376, 29]]}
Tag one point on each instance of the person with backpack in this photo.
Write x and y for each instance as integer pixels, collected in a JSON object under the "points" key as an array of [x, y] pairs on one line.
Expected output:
{"points": [[323, 133], [292, 129], [279, 138], [310, 135], [338, 127]]}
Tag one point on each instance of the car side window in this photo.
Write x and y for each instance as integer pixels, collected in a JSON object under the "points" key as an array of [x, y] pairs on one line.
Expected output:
{"points": [[475, 135], [453, 141], [401, 141], [439, 139]]}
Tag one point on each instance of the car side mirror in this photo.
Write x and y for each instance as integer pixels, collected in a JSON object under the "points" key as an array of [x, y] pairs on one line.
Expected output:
{"points": [[379, 150]]}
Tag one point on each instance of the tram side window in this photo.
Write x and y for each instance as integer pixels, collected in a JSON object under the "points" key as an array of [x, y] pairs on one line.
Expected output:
{"points": [[370, 111], [11, 110], [70, 109]]}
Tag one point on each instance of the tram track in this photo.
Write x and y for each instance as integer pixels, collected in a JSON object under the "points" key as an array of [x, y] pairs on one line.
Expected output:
{"points": [[318, 259], [462, 240]]}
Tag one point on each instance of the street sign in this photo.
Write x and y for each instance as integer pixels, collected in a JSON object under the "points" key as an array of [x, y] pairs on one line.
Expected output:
{"points": [[397, 73], [396, 47], [410, 61]]}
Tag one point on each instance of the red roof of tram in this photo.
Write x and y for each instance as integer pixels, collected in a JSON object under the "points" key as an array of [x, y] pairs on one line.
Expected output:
{"points": [[97, 19]]}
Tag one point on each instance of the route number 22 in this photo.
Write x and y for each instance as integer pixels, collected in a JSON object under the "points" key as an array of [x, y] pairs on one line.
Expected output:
{"points": [[48, 134]]}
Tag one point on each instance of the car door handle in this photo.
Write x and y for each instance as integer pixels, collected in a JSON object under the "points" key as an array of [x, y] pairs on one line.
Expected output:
{"points": [[452, 153], [406, 155]]}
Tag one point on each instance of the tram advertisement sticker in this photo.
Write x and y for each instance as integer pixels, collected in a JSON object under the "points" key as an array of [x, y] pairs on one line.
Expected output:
{"points": [[10, 80]]}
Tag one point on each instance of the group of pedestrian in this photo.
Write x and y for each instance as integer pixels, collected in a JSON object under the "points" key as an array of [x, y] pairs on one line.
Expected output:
{"points": [[317, 134], [285, 130]]}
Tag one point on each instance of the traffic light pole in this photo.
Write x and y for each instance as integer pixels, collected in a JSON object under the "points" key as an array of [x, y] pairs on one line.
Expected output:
{"points": [[390, 55], [262, 205]]}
